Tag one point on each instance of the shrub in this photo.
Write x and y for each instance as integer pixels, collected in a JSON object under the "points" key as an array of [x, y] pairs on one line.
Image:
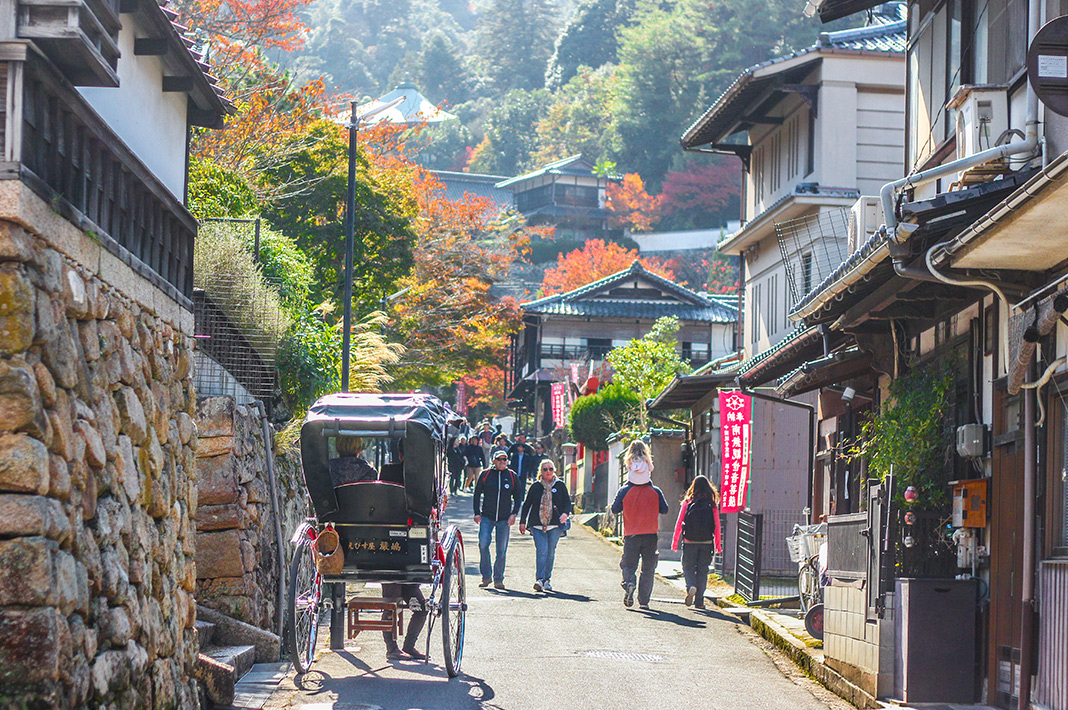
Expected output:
{"points": [[597, 416]]}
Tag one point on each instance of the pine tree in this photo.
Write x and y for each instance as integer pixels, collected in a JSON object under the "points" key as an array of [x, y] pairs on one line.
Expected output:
{"points": [[514, 41]]}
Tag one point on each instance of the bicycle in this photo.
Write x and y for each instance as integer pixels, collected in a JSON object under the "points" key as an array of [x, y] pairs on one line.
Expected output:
{"points": [[804, 546]]}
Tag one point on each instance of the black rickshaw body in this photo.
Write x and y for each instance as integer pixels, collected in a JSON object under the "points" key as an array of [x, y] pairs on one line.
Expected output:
{"points": [[389, 528]]}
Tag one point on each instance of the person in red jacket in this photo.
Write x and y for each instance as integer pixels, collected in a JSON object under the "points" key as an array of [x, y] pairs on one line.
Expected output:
{"points": [[698, 528], [641, 504]]}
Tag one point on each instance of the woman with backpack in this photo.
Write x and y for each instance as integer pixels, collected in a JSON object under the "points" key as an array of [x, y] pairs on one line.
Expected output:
{"points": [[698, 528]]}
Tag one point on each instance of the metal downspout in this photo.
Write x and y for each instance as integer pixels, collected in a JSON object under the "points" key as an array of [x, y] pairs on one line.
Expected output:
{"points": [[1027, 591]]}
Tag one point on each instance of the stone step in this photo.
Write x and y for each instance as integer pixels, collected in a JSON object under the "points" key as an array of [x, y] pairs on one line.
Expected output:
{"points": [[205, 633], [218, 668], [240, 658]]}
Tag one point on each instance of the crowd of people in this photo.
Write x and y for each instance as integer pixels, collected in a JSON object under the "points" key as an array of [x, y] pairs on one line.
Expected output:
{"points": [[514, 481]]}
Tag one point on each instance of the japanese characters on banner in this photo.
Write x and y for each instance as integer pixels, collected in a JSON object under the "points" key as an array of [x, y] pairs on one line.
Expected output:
{"points": [[559, 394], [735, 410], [461, 398]]}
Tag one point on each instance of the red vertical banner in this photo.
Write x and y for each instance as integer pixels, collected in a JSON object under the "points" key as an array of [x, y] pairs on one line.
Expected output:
{"points": [[559, 402], [461, 398], [735, 428]]}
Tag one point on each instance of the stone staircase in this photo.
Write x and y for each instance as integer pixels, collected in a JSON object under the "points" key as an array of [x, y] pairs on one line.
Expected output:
{"points": [[228, 650]]}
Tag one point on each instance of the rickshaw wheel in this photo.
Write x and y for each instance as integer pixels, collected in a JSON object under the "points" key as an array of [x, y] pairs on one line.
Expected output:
{"points": [[453, 608], [303, 608]]}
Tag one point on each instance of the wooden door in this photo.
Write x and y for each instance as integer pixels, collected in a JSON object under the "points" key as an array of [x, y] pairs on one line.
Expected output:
{"points": [[1006, 553]]}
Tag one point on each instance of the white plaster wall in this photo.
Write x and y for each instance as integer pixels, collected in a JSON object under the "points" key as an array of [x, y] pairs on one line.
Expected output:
{"points": [[151, 123]]}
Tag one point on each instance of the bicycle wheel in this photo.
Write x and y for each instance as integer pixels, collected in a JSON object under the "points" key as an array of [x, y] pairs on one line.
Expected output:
{"points": [[453, 608], [808, 586], [303, 608]]}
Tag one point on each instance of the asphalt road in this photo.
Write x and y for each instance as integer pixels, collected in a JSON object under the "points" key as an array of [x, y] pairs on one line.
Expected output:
{"points": [[577, 647]]}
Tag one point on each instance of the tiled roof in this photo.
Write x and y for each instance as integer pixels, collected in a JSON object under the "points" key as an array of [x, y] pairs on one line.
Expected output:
{"points": [[584, 302], [457, 184], [572, 165], [206, 94], [722, 118]]}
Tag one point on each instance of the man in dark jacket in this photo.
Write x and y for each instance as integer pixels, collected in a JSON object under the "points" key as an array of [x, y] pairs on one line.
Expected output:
{"points": [[642, 504], [497, 499], [522, 460]]}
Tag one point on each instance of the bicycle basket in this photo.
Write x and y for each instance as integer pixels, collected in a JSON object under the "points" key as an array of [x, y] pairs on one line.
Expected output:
{"points": [[806, 541], [793, 544]]}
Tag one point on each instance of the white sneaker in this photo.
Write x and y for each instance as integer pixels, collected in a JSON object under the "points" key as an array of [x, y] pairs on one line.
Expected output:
{"points": [[691, 593], [538, 586], [545, 586]]}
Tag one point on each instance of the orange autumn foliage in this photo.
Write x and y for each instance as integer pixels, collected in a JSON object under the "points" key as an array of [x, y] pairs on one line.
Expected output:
{"points": [[486, 386], [595, 260], [629, 205]]}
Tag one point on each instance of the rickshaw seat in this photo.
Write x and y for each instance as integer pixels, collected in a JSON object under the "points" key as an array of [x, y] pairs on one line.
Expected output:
{"points": [[371, 502]]}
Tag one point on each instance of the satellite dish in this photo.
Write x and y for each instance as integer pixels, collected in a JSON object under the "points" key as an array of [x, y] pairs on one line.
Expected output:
{"points": [[1047, 65]]}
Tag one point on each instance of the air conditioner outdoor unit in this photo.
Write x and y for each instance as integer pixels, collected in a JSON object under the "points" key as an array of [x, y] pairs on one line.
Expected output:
{"points": [[982, 116], [865, 218]]}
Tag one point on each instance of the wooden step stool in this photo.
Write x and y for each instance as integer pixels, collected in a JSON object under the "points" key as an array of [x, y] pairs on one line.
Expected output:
{"points": [[375, 606]]}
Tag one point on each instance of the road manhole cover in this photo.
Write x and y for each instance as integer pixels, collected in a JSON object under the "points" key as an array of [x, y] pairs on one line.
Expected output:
{"points": [[623, 656]]}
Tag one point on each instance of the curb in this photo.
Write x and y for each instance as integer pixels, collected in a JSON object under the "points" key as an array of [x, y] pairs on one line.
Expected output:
{"points": [[763, 623]]}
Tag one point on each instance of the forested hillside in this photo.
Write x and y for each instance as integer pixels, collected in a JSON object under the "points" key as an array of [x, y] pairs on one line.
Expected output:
{"points": [[536, 80]]}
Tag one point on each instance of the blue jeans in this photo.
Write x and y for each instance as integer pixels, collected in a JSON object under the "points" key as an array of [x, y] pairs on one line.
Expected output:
{"points": [[486, 530], [545, 548]]}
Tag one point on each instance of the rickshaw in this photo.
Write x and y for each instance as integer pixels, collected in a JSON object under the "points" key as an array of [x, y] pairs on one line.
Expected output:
{"points": [[390, 527]]}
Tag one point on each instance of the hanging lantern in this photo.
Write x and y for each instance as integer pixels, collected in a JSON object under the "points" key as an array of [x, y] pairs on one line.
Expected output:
{"points": [[911, 494], [910, 518], [909, 541]]}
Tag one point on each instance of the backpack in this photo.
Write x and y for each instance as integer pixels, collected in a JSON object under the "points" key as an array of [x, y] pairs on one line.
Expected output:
{"points": [[699, 525]]}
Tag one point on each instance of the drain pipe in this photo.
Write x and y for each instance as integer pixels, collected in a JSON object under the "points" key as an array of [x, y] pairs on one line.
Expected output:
{"points": [[1027, 586], [272, 480]]}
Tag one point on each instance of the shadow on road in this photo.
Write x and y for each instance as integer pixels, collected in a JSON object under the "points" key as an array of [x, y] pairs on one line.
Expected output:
{"points": [[718, 616], [661, 615], [464, 691], [570, 597]]}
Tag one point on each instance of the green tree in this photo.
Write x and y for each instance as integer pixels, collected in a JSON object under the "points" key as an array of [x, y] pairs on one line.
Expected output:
{"points": [[678, 55], [510, 135], [588, 39], [597, 416], [576, 119], [217, 192], [514, 40], [648, 364], [440, 74], [315, 217]]}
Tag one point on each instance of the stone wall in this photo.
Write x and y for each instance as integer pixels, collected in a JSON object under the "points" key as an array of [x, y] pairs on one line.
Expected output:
{"points": [[97, 445], [237, 551]]}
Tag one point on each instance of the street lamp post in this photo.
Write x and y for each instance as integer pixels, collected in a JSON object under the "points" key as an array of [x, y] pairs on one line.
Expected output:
{"points": [[350, 226]]}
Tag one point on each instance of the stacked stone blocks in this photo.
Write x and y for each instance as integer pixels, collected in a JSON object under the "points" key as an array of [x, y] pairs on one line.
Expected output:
{"points": [[97, 488]]}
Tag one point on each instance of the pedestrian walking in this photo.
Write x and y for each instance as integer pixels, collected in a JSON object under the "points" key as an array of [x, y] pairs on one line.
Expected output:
{"points": [[641, 504], [455, 462], [546, 511], [698, 528], [521, 459], [475, 461], [497, 499], [485, 440]]}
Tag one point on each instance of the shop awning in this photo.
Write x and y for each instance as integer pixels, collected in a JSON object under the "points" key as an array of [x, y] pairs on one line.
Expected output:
{"points": [[687, 390]]}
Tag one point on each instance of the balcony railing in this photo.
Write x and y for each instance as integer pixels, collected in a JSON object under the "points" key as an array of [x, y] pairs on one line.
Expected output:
{"points": [[56, 144]]}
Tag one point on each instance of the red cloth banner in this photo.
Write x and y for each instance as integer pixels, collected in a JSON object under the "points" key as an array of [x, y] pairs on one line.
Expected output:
{"points": [[735, 427], [461, 398], [559, 402]]}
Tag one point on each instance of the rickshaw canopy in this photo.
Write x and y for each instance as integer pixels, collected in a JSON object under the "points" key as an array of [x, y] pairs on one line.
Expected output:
{"points": [[420, 419]]}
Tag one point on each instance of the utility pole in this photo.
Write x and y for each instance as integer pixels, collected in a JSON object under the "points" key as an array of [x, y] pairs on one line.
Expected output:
{"points": [[350, 224]]}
